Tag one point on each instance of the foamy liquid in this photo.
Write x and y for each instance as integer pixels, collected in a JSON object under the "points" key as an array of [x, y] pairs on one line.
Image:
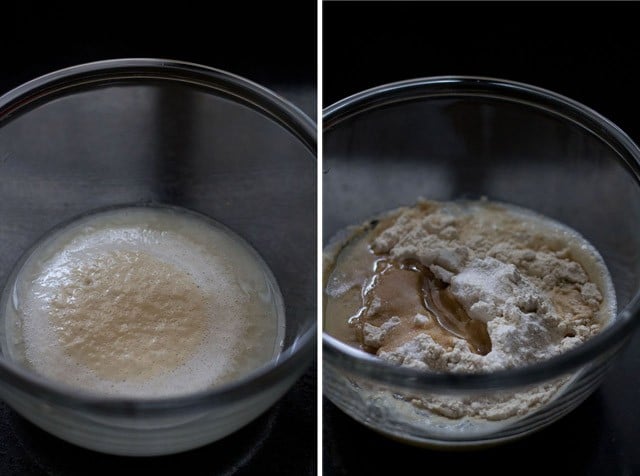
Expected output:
{"points": [[143, 301]]}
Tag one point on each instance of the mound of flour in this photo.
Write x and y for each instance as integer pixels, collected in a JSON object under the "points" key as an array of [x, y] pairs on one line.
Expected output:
{"points": [[539, 288]]}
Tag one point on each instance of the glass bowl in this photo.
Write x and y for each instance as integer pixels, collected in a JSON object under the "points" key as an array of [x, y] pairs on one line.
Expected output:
{"points": [[149, 131], [448, 138]]}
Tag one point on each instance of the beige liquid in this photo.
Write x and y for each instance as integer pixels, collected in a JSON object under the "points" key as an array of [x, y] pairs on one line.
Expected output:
{"points": [[143, 302], [366, 288]]}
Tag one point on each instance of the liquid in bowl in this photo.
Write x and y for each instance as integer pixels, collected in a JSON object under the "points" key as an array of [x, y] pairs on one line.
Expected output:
{"points": [[143, 302]]}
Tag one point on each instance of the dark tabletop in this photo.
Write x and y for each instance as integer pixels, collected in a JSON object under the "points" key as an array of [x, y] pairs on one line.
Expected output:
{"points": [[280, 55], [585, 50]]}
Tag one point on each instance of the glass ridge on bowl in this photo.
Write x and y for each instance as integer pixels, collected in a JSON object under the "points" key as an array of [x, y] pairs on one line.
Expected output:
{"points": [[154, 131], [449, 138]]}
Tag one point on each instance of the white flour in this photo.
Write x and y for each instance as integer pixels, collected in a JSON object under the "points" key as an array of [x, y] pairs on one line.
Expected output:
{"points": [[536, 286]]}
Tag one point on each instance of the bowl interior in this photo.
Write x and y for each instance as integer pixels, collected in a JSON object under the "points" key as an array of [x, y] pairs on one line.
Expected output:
{"points": [[137, 140], [466, 146]]}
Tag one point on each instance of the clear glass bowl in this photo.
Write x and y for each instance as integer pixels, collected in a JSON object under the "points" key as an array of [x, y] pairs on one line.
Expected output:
{"points": [[140, 131], [448, 138]]}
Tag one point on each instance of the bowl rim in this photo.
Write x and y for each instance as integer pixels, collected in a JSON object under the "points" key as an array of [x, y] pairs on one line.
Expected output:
{"points": [[291, 361], [108, 71], [609, 340]]}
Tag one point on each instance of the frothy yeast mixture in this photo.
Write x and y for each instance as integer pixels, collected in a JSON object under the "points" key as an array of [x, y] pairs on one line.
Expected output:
{"points": [[144, 301]]}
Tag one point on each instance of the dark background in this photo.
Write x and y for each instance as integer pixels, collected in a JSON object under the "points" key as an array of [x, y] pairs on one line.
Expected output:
{"points": [[265, 43], [588, 51], [272, 45]]}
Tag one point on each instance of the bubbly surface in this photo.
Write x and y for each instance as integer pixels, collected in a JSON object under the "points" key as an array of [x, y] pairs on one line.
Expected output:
{"points": [[146, 302]]}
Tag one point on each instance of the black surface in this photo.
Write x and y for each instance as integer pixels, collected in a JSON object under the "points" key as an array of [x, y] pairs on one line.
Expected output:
{"points": [[586, 51], [279, 54]]}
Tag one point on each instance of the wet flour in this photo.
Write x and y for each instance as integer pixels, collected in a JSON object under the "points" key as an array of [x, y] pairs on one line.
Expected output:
{"points": [[469, 287]]}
